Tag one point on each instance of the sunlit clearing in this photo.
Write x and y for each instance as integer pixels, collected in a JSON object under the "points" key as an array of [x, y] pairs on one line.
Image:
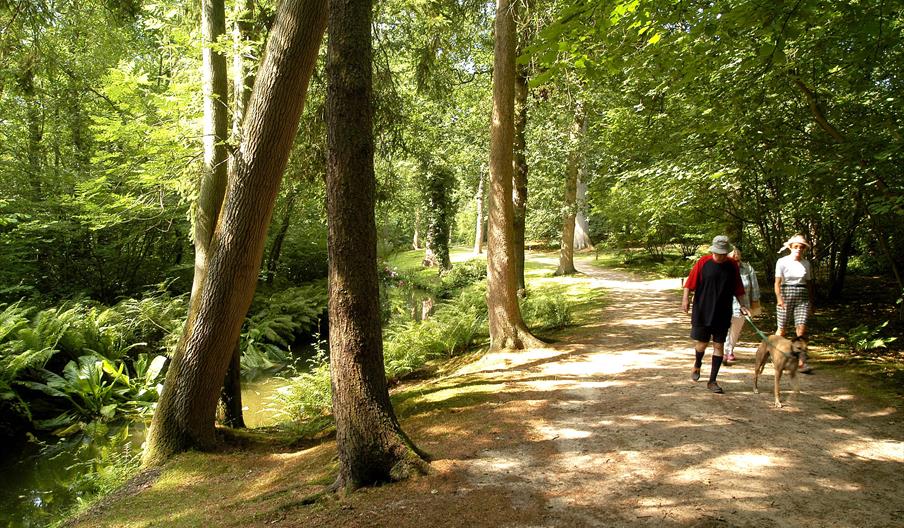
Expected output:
{"points": [[870, 448]]}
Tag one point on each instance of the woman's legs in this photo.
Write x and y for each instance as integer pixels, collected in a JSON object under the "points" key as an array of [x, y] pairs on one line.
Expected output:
{"points": [[734, 334]]}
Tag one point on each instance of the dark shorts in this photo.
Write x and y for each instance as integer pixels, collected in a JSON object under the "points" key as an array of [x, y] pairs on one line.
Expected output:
{"points": [[704, 333]]}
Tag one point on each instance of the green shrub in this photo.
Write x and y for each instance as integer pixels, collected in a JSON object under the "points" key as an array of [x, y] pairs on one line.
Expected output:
{"points": [[546, 310]]}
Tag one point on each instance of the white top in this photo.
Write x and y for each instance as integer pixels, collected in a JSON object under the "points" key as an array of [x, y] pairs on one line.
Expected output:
{"points": [[793, 272]]}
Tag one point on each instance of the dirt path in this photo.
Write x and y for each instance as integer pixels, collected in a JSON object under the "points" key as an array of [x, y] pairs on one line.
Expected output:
{"points": [[607, 429]]}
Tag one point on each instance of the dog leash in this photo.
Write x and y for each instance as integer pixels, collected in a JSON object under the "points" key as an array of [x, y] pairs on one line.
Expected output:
{"points": [[763, 336], [755, 329]]}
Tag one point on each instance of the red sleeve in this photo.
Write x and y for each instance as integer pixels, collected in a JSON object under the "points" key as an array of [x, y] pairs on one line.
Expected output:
{"points": [[739, 284], [693, 276]]}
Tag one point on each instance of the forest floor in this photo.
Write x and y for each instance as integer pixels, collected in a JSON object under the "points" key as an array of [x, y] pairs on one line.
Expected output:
{"points": [[602, 428]]}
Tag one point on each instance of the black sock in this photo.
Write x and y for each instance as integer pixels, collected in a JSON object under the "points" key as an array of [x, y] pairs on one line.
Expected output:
{"points": [[699, 359], [717, 362]]}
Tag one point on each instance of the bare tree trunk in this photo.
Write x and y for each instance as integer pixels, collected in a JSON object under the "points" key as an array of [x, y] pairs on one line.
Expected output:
{"points": [[569, 207], [519, 168], [507, 328], [581, 228], [243, 81], [213, 178], [214, 172], [478, 228], [279, 239], [185, 413], [231, 393], [372, 446], [416, 239]]}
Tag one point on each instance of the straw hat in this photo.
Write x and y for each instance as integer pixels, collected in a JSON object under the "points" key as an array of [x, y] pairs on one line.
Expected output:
{"points": [[796, 239], [720, 245]]}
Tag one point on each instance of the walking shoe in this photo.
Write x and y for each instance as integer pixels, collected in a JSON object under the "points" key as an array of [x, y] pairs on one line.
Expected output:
{"points": [[805, 369], [695, 374], [728, 360], [714, 387]]}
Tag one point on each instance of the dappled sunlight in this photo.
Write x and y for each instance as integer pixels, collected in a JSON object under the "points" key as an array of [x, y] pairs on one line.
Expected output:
{"points": [[887, 411], [838, 397], [565, 433], [872, 449], [638, 418], [656, 322]]}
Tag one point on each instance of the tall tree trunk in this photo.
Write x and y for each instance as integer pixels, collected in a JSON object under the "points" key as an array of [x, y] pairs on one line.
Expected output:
{"points": [[35, 131], [243, 81], [213, 179], [438, 189], [581, 228], [372, 446], [279, 239], [185, 413], [479, 221], [416, 239], [519, 169], [569, 206], [214, 171], [507, 328]]}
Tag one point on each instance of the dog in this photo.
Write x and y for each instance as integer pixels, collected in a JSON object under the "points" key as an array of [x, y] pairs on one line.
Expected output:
{"points": [[785, 354]]}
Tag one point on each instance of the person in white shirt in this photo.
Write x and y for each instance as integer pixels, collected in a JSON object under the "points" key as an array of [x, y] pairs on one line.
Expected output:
{"points": [[794, 291], [752, 301]]}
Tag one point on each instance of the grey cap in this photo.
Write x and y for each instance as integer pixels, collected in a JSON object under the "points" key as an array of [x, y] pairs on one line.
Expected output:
{"points": [[720, 245]]}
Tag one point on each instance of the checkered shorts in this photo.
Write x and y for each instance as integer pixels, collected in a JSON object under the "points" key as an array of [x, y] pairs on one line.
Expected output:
{"points": [[797, 304]]}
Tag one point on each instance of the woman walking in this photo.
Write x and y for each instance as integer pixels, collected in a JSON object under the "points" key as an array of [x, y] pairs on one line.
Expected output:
{"points": [[794, 291], [751, 302]]}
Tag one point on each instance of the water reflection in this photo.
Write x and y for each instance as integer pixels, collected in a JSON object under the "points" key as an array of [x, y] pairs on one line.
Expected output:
{"points": [[45, 477]]}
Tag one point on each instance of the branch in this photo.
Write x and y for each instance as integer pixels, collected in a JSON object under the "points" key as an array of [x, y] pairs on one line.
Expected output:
{"points": [[817, 112]]}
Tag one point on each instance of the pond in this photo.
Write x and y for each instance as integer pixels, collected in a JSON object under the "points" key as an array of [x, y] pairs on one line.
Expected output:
{"points": [[44, 478]]}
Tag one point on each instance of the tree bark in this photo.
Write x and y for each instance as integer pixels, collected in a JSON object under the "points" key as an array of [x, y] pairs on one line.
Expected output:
{"points": [[581, 228], [243, 81], [507, 328], [372, 446], [185, 413], [519, 168], [213, 180], [569, 206], [214, 171], [478, 228]]}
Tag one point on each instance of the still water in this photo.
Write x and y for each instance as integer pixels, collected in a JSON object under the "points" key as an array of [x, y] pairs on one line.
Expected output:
{"points": [[41, 480]]}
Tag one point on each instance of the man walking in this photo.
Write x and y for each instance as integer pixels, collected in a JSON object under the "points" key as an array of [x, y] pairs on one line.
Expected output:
{"points": [[715, 279]]}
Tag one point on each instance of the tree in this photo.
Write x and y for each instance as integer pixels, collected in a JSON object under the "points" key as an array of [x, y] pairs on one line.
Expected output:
{"points": [[478, 217], [569, 205], [184, 418], [372, 446], [438, 183], [507, 328]]}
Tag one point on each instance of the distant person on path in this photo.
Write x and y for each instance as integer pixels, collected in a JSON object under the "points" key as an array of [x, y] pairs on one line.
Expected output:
{"points": [[715, 280], [752, 288], [794, 291]]}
